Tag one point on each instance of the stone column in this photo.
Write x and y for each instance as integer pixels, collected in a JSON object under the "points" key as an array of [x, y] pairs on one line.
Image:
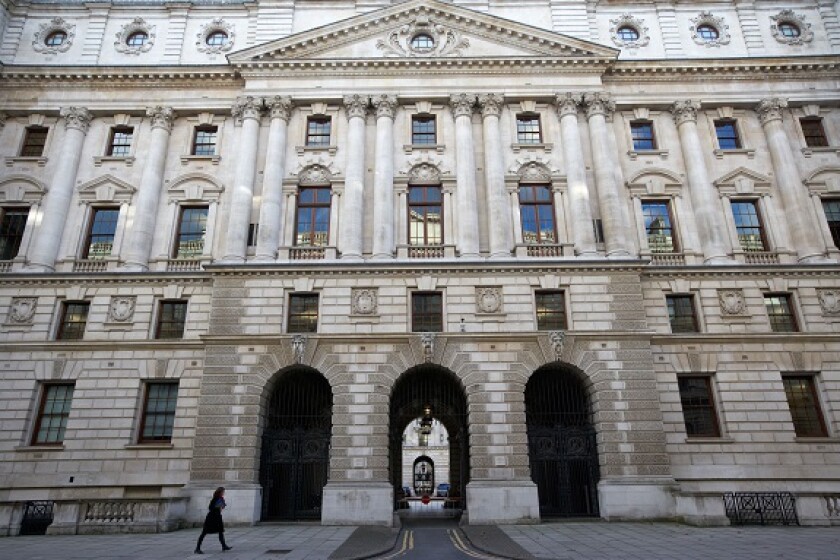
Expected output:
{"points": [[610, 198], [383, 177], [804, 233], [271, 206], [462, 108], [501, 242], [583, 232], [248, 109], [144, 224], [57, 202], [704, 196], [350, 240]]}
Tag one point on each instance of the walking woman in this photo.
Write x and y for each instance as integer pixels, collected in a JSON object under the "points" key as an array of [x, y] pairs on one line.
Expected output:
{"points": [[213, 522]]}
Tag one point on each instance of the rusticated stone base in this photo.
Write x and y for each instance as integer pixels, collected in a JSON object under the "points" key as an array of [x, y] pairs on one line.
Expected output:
{"points": [[358, 503], [502, 502], [637, 498]]}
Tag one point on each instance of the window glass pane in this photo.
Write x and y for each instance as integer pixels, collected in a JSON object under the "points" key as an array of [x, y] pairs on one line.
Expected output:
{"points": [[425, 214], [528, 129], [120, 141], [780, 313], [171, 319], [804, 406], [427, 312], [681, 314], [812, 129], [102, 229], [727, 135], [303, 313], [551, 310], [52, 416], [34, 141], [313, 217], [832, 214], [205, 141], [191, 230], [423, 130], [536, 207], [642, 136], [159, 414], [698, 406], [748, 225], [12, 227], [318, 131], [660, 235], [73, 320]]}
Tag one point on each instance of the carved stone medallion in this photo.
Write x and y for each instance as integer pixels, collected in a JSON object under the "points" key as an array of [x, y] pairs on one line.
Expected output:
{"points": [[829, 301], [22, 310], [121, 309], [364, 301], [423, 37], [488, 300], [732, 302]]}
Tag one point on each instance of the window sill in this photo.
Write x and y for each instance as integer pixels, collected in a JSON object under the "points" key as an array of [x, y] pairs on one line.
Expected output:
{"points": [[634, 154], [809, 151], [40, 160], [439, 148], [303, 149], [708, 439], [212, 159], [99, 160], [826, 439], [149, 446], [517, 147], [750, 153], [39, 448]]}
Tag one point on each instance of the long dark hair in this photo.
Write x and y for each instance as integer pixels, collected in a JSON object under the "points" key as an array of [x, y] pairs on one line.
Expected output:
{"points": [[218, 493]]}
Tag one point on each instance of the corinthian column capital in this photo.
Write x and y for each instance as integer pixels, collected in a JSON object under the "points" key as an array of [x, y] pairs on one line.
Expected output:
{"points": [[598, 103], [770, 109], [161, 117], [568, 103], [462, 104], [356, 105], [385, 105], [280, 107], [685, 111], [491, 104], [247, 107], [76, 117]]}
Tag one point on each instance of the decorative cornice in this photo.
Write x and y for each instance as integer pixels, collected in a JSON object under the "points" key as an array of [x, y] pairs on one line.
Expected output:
{"points": [[598, 103], [685, 111], [247, 107], [770, 109], [356, 105], [280, 107], [491, 104], [76, 117], [462, 104], [161, 117], [385, 105], [568, 103]]}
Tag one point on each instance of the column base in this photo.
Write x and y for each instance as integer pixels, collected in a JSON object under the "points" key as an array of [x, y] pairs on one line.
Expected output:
{"points": [[358, 503], [818, 258], [232, 259], [37, 267], [382, 257], [637, 498], [244, 502], [473, 256], [720, 259], [133, 267], [352, 257], [504, 255], [620, 254], [502, 502]]}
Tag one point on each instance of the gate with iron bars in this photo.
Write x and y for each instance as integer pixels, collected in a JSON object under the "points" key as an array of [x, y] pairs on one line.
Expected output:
{"points": [[37, 516], [294, 463]]}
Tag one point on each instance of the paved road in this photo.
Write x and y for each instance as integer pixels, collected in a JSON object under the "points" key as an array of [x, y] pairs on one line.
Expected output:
{"points": [[433, 539]]}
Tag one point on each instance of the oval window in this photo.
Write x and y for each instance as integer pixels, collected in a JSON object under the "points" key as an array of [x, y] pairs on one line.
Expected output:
{"points": [[217, 38], [788, 29], [627, 33], [55, 38], [707, 32], [422, 42], [137, 39]]}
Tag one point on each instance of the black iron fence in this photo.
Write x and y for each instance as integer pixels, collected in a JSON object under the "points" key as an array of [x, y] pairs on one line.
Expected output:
{"points": [[761, 508], [37, 516]]}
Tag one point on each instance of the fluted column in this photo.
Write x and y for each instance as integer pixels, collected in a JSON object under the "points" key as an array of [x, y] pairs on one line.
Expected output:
{"points": [[57, 202], [581, 211], [501, 242], [352, 215], [704, 196], [271, 206], [805, 235], [462, 108], [144, 224], [248, 109], [383, 177], [616, 232]]}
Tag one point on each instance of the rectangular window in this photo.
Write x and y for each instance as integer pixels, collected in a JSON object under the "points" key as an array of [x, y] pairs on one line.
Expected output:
{"points": [[425, 216], [120, 143], [536, 208], [172, 316], [53, 411], [158, 412], [804, 406], [34, 141], [831, 206], [551, 310], [681, 313], [642, 132], [318, 131], [727, 134], [303, 313], [812, 129], [73, 320], [192, 226], [780, 312], [698, 406], [660, 233], [313, 217], [423, 130], [427, 312], [204, 140], [12, 227], [748, 225], [253, 232], [528, 129], [100, 238]]}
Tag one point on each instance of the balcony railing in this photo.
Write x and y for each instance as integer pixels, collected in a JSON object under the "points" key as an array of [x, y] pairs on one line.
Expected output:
{"points": [[5, 266], [306, 253], [425, 251], [667, 259], [90, 266], [183, 265], [761, 257]]}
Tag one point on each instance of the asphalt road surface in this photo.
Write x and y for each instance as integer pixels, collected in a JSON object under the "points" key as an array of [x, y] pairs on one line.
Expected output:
{"points": [[433, 539]]}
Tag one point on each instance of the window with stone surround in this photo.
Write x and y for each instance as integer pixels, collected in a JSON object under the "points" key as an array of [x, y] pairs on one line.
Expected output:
{"points": [[425, 215], [551, 310], [427, 312], [748, 225], [119, 144], [158, 412], [780, 312], [681, 313], [423, 129], [698, 405], [831, 207], [814, 132], [727, 134], [171, 319], [801, 393], [72, 320], [528, 130], [313, 217], [536, 208], [303, 313], [192, 226], [12, 226], [658, 228], [34, 141], [318, 130], [99, 241], [53, 410], [204, 140], [643, 136]]}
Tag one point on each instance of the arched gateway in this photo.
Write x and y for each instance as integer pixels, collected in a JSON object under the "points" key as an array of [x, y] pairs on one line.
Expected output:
{"points": [[294, 463], [561, 442]]}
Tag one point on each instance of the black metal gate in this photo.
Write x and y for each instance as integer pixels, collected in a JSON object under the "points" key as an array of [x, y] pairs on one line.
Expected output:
{"points": [[439, 390], [295, 458], [561, 444], [37, 516]]}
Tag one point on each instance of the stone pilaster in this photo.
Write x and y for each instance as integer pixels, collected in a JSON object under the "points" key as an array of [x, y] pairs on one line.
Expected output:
{"points": [[57, 203], [271, 206], [501, 242], [383, 177], [462, 105], [352, 212]]}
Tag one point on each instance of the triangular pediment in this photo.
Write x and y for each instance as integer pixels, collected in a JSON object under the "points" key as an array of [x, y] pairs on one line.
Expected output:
{"points": [[743, 181], [423, 30], [106, 188]]}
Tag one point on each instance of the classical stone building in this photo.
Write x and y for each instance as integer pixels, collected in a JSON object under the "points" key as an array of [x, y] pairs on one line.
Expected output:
{"points": [[246, 243]]}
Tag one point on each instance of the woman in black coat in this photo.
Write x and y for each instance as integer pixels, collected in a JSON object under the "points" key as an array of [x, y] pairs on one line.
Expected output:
{"points": [[213, 522]]}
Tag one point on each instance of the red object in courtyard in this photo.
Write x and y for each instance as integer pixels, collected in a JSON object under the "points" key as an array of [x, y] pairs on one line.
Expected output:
{"points": [[425, 499]]}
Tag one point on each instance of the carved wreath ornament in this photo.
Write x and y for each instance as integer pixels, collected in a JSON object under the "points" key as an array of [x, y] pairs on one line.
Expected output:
{"points": [[629, 20], [423, 37], [488, 300], [364, 301], [121, 309], [22, 310], [55, 25], [732, 302], [829, 301], [711, 20], [789, 16], [137, 25]]}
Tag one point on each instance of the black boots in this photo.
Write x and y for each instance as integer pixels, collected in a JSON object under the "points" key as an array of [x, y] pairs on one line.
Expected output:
{"points": [[226, 547]]}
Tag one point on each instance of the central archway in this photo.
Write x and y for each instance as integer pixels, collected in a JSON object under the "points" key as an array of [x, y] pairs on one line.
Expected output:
{"points": [[433, 392]]}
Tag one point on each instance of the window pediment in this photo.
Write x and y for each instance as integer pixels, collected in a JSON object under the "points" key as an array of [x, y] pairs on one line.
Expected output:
{"points": [[195, 187], [105, 189], [743, 181], [21, 188]]}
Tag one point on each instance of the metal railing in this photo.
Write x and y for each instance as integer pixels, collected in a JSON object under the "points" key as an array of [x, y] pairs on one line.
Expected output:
{"points": [[37, 516], [761, 508]]}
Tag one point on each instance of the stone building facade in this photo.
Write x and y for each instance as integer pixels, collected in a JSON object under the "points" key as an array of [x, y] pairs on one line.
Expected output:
{"points": [[243, 242]]}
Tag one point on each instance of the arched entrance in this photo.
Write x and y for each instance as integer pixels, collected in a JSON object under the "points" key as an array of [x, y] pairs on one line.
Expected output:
{"points": [[424, 476], [561, 443], [294, 463], [431, 393]]}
